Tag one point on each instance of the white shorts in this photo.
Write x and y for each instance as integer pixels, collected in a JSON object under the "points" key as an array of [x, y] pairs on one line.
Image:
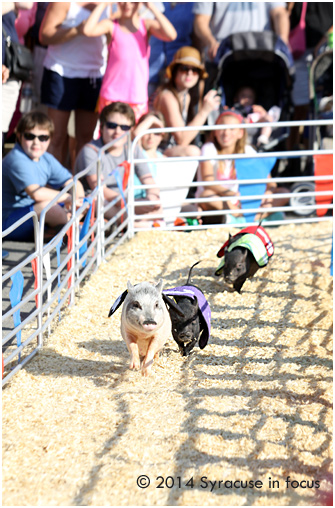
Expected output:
{"points": [[10, 94]]}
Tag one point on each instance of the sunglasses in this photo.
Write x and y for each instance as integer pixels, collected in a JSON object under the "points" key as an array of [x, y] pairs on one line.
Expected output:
{"points": [[29, 136], [187, 68], [113, 125]]}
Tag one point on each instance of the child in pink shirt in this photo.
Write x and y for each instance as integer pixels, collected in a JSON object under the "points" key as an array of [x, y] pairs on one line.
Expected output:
{"points": [[127, 74]]}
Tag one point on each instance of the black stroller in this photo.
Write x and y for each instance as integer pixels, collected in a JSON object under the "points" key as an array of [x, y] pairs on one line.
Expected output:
{"points": [[262, 61], [321, 97], [320, 137]]}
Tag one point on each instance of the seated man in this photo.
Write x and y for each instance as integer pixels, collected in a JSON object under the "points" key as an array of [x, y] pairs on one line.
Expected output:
{"points": [[116, 119], [31, 178]]}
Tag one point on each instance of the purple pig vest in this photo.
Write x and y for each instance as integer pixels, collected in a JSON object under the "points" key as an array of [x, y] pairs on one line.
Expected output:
{"points": [[205, 311]]}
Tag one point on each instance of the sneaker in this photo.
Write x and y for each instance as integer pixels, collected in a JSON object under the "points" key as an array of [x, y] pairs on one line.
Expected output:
{"points": [[158, 223], [274, 216], [232, 219], [179, 222]]}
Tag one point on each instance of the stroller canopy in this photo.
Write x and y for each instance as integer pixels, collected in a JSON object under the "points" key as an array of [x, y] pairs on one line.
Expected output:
{"points": [[257, 59]]}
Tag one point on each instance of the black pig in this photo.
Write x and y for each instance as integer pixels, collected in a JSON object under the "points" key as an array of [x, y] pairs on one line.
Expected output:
{"points": [[243, 254], [192, 323]]}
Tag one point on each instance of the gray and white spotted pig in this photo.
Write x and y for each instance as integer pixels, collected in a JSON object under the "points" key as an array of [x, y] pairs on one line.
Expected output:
{"points": [[145, 323]]}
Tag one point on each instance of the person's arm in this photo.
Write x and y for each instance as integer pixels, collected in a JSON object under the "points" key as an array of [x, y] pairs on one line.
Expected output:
{"points": [[11, 6], [264, 116], [7, 7], [5, 73], [151, 122], [160, 27], [203, 32], [109, 194], [93, 27], [281, 22], [169, 106], [207, 175], [80, 193], [38, 193], [151, 195], [50, 30]]}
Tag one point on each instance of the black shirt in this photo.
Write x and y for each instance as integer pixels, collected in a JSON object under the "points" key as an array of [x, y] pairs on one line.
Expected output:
{"points": [[319, 18]]}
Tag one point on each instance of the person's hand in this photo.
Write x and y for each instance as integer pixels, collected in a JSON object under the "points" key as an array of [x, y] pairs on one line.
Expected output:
{"points": [[148, 5], [213, 49], [212, 101], [151, 122], [156, 123], [5, 74], [260, 110], [80, 27], [227, 192], [79, 202]]}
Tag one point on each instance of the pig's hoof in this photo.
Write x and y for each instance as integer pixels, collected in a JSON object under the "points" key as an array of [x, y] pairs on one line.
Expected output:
{"points": [[134, 365], [146, 372]]}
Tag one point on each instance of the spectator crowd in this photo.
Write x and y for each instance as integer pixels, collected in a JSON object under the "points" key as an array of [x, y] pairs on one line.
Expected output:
{"points": [[102, 69]]}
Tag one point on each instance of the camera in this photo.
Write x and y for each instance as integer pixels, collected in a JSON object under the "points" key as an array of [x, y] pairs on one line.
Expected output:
{"points": [[244, 110]]}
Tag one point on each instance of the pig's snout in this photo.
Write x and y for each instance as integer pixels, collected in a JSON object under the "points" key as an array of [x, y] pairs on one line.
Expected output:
{"points": [[229, 277], [185, 336], [149, 324]]}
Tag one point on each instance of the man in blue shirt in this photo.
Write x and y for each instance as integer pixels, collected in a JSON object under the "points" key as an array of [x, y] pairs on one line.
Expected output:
{"points": [[31, 178]]}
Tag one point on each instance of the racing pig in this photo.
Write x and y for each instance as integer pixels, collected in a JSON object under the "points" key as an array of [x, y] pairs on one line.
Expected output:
{"points": [[243, 254], [145, 323]]}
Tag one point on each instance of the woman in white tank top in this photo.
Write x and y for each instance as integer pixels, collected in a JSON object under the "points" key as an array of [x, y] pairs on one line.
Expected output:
{"points": [[73, 69]]}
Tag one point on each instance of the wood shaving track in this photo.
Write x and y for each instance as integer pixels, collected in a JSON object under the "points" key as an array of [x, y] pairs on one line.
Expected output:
{"points": [[79, 427]]}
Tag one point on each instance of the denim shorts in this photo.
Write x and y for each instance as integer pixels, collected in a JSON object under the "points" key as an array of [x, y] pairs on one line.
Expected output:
{"points": [[25, 232], [67, 94]]}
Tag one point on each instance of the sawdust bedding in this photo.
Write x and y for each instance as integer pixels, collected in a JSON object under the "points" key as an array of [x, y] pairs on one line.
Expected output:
{"points": [[79, 427]]}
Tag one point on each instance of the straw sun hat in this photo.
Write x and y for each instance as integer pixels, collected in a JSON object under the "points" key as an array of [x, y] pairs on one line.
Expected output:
{"points": [[187, 56]]}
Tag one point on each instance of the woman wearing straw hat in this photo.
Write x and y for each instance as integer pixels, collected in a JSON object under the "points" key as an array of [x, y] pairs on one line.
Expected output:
{"points": [[174, 101]]}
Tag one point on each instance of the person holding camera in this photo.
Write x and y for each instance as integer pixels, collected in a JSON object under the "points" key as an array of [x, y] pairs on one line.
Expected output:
{"points": [[174, 101]]}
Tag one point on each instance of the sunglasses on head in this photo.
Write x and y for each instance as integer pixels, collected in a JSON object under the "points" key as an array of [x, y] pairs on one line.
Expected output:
{"points": [[187, 68], [29, 136], [113, 125]]}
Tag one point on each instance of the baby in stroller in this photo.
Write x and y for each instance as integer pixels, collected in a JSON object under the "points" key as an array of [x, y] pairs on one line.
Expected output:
{"points": [[245, 99]]}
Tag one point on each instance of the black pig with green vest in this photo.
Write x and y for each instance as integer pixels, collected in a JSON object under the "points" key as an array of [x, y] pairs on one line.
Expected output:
{"points": [[243, 254]]}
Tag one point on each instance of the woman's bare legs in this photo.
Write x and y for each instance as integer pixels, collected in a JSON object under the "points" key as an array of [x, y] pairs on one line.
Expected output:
{"points": [[85, 122], [58, 143]]}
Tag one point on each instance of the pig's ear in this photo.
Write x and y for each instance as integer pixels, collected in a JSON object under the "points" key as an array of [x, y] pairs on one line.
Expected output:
{"points": [[118, 302], [172, 304], [159, 285], [130, 286], [195, 301]]}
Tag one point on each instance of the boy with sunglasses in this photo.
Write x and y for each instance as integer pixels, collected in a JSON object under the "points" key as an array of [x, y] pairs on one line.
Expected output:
{"points": [[116, 119], [31, 178]]}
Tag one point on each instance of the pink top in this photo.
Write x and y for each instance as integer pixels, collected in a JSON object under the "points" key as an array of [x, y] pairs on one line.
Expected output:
{"points": [[24, 20], [127, 74]]}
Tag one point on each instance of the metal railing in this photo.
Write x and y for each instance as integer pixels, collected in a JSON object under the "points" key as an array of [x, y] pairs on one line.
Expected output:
{"points": [[55, 287]]}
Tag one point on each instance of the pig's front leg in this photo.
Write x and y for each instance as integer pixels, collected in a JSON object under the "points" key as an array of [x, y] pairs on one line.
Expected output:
{"points": [[149, 358], [134, 353]]}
